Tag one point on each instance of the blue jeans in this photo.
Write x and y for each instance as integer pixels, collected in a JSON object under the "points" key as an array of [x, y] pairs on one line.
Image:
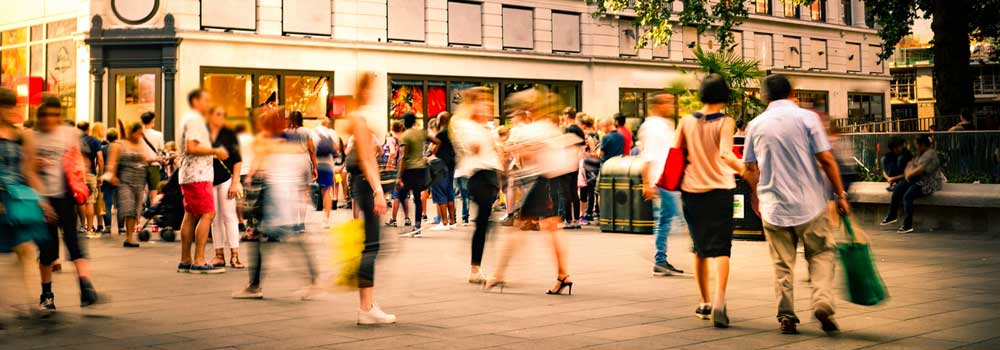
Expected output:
{"points": [[463, 190], [664, 210], [109, 202], [904, 194]]}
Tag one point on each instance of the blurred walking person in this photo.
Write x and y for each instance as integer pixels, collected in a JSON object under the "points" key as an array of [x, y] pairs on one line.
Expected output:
{"points": [[225, 188], [153, 146], [546, 153], [108, 191], [195, 177], [55, 142], [393, 156], [656, 136], [99, 131], [327, 145], [787, 154], [126, 171], [706, 193], [303, 137], [478, 161], [443, 188], [91, 149], [364, 125], [279, 160], [412, 176], [568, 191], [17, 173]]}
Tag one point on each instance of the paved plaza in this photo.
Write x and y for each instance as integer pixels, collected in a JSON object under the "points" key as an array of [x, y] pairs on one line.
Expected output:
{"points": [[945, 294]]}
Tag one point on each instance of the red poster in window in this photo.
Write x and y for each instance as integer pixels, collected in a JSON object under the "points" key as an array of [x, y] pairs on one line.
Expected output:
{"points": [[437, 100]]}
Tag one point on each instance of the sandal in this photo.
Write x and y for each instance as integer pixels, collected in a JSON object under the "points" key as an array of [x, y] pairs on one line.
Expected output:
{"points": [[234, 262], [219, 261]]}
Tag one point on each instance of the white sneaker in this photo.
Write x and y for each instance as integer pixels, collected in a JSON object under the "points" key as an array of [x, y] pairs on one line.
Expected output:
{"points": [[375, 316], [441, 228], [248, 293], [477, 277]]}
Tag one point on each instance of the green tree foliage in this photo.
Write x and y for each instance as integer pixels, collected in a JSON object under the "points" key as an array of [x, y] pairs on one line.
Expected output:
{"points": [[740, 74], [655, 17]]}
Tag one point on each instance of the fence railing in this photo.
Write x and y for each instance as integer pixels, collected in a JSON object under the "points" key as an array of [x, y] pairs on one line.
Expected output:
{"points": [[937, 123], [966, 156]]}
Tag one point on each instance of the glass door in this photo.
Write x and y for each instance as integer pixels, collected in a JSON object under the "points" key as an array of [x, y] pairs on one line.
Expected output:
{"points": [[132, 92]]}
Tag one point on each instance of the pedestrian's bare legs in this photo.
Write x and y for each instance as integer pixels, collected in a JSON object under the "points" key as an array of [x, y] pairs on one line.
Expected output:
{"points": [[130, 222], [367, 298], [201, 237], [187, 236], [721, 280], [551, 225], [451, 212], [27, 257], [327, 204], [701, 277], [510, 245]]}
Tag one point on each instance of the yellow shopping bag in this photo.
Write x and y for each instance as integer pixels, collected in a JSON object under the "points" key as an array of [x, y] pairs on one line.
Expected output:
{"points": [[347, 241]]}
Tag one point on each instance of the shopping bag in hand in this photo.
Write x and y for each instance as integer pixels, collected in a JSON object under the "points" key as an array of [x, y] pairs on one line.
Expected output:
{"points": [[864, 285], [347, 241]]}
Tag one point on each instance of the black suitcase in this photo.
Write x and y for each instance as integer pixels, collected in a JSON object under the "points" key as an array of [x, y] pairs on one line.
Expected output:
{"points": [[622, 206]]}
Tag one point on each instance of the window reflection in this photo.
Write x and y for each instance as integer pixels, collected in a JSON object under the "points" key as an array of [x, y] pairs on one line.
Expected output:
{"points": [[267, 90], [306, 94], [231, 92]]}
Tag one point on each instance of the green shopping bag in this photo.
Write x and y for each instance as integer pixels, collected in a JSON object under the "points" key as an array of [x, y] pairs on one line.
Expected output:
{"points": [[864, 285]]}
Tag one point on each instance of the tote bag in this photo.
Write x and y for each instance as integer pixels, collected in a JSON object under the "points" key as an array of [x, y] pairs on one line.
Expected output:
{"points": [[864, 285], [72, 162], [673, 170], [20, 205]]}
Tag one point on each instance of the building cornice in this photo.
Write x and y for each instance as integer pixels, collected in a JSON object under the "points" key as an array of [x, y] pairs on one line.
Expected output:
{"points": [[419, 48]]}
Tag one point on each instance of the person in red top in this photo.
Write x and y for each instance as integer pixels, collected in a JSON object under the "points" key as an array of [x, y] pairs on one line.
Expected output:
{"points": [[626, 133]]}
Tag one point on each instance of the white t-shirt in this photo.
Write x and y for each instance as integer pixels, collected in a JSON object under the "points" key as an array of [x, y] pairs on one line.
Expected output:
{"points": [[656, 136], [246, 151], [195, 168], [154, 137], [466, 135], [317, 136]]}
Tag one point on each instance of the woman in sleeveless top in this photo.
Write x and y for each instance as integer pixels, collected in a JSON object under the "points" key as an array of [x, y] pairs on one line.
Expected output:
{"points": [[17, 169], [706, 193], [126, 169]]}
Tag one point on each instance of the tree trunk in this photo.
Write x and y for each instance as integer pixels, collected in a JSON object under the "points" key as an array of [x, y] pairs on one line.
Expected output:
{"points": [[953, 88]]}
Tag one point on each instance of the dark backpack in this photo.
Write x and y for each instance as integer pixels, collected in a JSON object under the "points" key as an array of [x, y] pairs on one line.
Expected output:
{"points": [[325, 146]]}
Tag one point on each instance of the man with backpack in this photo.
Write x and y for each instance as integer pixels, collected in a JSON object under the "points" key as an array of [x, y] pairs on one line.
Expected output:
{"points": [[328, 150]]}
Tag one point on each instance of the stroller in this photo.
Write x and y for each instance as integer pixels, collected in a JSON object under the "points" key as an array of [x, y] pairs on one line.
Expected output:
{"points": [[165, 216]]}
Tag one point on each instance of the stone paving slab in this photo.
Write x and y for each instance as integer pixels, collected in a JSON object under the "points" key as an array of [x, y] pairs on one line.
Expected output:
{"points": [[945, 294]]}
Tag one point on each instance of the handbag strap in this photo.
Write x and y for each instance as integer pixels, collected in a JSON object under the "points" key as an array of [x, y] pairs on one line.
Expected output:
{"points": [[848, 228]]}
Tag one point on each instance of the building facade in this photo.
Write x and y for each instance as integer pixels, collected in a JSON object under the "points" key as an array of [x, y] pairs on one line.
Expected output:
{"points": [[113, 59]]}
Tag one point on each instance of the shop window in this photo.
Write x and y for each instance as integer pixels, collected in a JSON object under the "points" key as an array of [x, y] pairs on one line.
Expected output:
{"points": [[37, 67], [793, 52], [231, 91], [763, 50], [36, 33], [230, 14], [13, 66], [762, 7], [820, 59], [865, 108], [628, 34], [817, 11], [791, 8], [565, 32], [406, 20], [634, 104], [310, 17], [853, 57], [846, 9], [60, 29], [816, 101], [456, 89], [437, 98], [307, 94], [568, 94], [137, 94], [61, 73], [267, 90], [14, 36], [518, 28], [465, 23], [406, 96]]}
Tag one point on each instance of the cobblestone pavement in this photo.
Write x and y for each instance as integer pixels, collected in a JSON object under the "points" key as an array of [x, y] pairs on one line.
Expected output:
{"points": [[944, 290]]}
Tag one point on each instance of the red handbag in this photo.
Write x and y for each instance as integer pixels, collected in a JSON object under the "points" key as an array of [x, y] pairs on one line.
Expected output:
{"points": [[673, 170], [72, 162]]}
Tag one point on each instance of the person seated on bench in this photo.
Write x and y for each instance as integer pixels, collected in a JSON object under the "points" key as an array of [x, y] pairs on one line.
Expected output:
{"points": [[922, 177], [895, 161]]}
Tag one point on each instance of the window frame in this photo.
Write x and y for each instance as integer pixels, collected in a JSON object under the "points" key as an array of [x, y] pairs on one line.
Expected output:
{"points": [[503, 32], [579, 31], [388, 23], [860, 57], [256, 18], [448, 23], [785, 6], [768, 5], [818, 5]]}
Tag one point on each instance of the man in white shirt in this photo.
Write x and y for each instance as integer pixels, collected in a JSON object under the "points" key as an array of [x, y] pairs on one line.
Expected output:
{"points": [[195, 177], [152, 146], [787, 155], [656, 136], [327, 146]]}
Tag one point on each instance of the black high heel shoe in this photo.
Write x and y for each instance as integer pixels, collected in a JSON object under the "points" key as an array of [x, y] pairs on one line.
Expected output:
{"points": [[562, 284], [490, 283]]}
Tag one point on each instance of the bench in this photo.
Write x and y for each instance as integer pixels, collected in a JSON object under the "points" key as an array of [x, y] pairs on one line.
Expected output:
{"points": [[956, 207]]}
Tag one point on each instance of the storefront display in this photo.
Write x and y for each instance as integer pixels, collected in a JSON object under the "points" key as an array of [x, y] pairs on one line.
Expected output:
{"points": [[240, 91]]}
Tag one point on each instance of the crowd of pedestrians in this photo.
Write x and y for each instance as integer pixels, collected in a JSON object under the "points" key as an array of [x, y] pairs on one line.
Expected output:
{"points": [[252, 183]]}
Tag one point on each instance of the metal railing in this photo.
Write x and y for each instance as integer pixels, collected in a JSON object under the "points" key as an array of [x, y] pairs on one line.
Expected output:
{"points": [[966, 156], [937, 123]]}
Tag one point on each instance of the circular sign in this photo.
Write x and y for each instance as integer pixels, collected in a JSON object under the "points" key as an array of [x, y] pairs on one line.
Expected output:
{"points": [[134, 11]]}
